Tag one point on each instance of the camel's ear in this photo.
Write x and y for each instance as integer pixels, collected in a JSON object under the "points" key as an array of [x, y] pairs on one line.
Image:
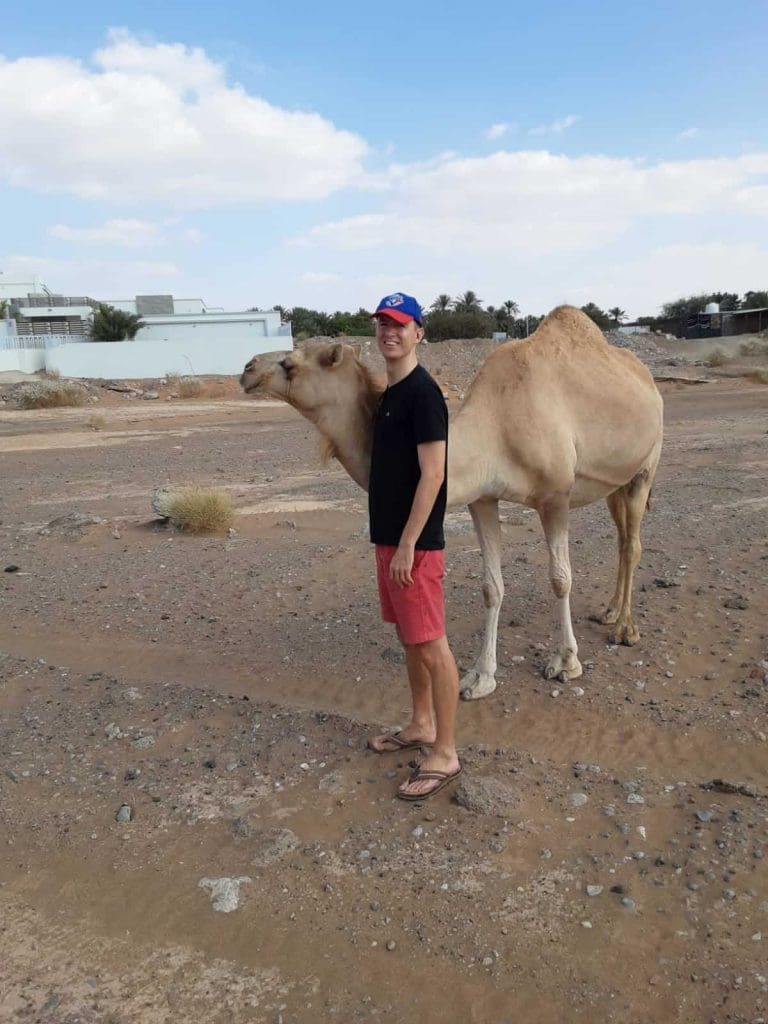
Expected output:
{"points": [[358, 350], [333, 356]]}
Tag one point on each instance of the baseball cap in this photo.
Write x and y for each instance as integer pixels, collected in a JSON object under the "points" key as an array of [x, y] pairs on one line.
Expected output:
{"points": [[400, 307]]}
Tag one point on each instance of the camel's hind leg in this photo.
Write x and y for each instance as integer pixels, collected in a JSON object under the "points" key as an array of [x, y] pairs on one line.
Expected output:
{"points": [[481, 680], [618, 508], [634, 496], [564, 664]]}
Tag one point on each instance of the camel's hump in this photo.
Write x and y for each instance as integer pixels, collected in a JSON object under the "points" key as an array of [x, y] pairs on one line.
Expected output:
{"points": [[573, 323]]}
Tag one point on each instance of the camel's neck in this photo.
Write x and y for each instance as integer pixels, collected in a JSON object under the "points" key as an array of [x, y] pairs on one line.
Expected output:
{"points": [[350, 432]]}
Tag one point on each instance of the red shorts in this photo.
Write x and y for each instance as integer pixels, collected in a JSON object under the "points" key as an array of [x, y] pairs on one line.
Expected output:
{"points": [[418, 610]]}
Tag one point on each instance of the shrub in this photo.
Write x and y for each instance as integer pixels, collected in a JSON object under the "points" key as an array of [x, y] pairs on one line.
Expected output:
{"points": [[759, 376], [189, 387], [49, 394], [716, 358], [200, 510], [754, 348], [97, 421]]}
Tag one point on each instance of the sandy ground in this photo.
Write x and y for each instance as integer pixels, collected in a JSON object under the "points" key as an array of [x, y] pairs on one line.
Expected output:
{"points": [[220, 690]]}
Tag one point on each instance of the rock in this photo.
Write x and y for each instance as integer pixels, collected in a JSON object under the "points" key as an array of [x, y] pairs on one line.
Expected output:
{"points": [[224, 892], [131, 774], [487, 796], [627, 903], [391, 945], [150, 395], [594, 890], [704, 815], [665, 583], [124, 813], [72, 525], [737, 602], [635, 798], [272, 845], [11, 568], [578, 799], [144, 742]]}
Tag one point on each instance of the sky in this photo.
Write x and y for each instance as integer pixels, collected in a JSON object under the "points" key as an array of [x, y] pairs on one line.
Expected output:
{"points": [[326, 155]]}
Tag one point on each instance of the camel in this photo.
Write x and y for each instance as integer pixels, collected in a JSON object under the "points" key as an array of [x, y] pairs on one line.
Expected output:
{"points": [[554, 423]]}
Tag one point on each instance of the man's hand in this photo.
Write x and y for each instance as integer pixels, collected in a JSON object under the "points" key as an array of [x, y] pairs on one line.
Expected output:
{"points": [[401, 565]]}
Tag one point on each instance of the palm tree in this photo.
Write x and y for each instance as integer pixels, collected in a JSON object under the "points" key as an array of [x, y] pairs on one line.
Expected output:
{"points": [[441, 304], [617, 314], [511, 307], [467, 303], [110, 324]]}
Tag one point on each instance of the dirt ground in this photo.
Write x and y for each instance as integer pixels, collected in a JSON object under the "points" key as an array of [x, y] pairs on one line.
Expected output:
{"points": [[607, 862]]}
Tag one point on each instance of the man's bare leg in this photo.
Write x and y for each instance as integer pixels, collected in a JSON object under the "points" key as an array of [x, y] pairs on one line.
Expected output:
{"points": [[421, 727], [435, 658]]}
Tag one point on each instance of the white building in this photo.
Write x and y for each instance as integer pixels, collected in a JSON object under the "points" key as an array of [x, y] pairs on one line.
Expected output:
{"points": [[176, 336]]}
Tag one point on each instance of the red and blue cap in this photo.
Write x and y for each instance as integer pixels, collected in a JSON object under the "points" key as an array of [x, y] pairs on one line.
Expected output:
{"points": [[400, 307]]}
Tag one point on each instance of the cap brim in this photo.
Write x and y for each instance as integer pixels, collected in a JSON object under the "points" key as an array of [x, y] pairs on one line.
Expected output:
{"points": [[394, 314]]}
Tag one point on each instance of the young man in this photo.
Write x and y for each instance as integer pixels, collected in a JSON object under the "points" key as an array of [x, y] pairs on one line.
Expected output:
{"points": [[407, 506]]}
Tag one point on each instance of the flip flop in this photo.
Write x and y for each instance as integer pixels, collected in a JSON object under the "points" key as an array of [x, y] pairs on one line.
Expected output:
{"points": [[394, 737], [417, 775]]}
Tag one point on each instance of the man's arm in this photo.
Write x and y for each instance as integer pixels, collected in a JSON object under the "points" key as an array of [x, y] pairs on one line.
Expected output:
{"points": [[432, 465]]}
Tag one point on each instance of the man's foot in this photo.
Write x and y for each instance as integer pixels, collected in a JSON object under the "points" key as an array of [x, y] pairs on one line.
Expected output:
{"points": [[428, 778], [392, 742]]}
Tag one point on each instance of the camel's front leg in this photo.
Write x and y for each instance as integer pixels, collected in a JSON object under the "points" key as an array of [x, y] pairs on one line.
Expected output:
{"points": [[564, 664], [481, 680]]}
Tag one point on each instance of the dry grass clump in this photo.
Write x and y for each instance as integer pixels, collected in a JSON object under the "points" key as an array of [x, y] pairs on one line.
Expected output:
{"points": [[758, 376], [185, 387], [200, 509], [51, 394], [754, 348], [190, 387], [97, 422], [716, 358]]}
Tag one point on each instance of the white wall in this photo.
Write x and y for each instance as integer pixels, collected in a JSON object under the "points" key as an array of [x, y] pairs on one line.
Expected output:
{"points": [[23, 360], [218, 329], [131, 359]]}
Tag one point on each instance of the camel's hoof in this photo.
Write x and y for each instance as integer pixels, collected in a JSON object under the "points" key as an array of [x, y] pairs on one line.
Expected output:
{"points": [[628, 635], [563, 669], [475, 685], [609, 616]]}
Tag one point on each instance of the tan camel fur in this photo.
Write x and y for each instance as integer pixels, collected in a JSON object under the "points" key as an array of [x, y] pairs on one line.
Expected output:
{"points": [[553, 422]]}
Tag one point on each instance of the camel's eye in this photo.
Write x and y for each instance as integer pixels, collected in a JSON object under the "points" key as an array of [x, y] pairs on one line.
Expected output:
{"points": [[288, 368]]}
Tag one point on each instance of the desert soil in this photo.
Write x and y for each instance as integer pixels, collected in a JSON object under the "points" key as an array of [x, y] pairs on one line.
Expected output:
{"points": [[606, 861]]}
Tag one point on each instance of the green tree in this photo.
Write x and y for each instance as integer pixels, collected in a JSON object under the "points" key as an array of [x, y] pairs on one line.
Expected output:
{"points": [[617, 315], [442, 303], [511, 307], [599, 316], [110, 324], [3, 308], [441, 325], [468, 303], [755, 300]]}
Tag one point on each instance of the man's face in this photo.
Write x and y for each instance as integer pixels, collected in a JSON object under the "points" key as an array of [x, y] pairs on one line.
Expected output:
{"points": [[396, 340]]}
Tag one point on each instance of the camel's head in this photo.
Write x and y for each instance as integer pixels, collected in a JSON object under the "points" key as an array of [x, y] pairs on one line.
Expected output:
{"points": [[311, 378]]}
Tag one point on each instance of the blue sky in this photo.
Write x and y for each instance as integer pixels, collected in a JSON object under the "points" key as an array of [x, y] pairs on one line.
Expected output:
{"points": [[324, 155]]}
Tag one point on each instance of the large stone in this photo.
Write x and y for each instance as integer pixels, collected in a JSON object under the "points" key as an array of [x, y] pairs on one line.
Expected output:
{"points": [[487, 796]]}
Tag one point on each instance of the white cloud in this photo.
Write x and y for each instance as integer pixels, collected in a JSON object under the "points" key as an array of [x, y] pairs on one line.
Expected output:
{"points": [[555, 127], [688, 133], [128, 233], [99, 279], [160, 122], [319, 277], [668, 272], [525, 205], [497, 131]]}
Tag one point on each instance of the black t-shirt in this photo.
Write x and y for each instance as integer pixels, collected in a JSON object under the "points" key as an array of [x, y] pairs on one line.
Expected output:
{"points": [[410, 413]]}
